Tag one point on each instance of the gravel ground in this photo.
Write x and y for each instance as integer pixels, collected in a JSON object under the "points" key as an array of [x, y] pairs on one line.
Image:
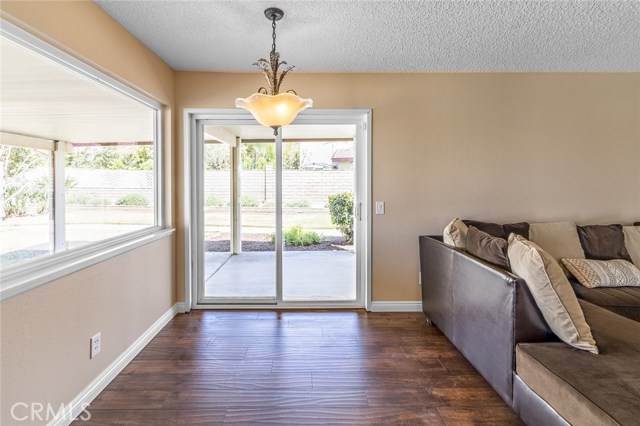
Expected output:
{"points": [[260, 242]]}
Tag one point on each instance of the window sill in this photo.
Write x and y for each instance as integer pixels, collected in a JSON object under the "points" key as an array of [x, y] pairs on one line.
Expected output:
{"points": [[22, 278]]}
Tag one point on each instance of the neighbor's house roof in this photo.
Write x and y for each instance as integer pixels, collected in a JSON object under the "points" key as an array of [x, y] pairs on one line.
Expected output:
{"points": [[342, 156]]}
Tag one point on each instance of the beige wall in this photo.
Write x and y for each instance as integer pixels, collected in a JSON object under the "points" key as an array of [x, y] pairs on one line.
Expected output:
{"points": [[45, 332], [503, 147]]}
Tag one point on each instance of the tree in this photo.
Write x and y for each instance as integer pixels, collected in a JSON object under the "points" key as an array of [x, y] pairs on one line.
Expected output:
{"points": [[19, 188], [137, 157], [217, 157], [293, 156], [256, 156]]}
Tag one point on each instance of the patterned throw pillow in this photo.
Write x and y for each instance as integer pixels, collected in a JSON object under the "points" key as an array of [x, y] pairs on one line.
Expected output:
{"points": [[604, 273]]}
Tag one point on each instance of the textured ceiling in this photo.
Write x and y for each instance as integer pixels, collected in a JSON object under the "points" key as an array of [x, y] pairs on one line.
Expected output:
{"points": [[390, 36]]}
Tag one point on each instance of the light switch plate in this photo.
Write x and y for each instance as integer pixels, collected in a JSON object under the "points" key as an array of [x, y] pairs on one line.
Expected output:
{"points": [[379, 207]]}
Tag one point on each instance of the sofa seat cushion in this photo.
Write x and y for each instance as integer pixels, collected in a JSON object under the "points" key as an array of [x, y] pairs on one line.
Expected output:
{"points": [[586, 388], [623, 301]]}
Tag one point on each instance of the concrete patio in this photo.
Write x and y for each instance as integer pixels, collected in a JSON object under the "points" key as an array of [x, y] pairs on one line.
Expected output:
{"points": [[307, 275]]}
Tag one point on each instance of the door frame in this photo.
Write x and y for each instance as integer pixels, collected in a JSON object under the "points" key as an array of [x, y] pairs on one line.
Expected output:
{"points": [[194, 119]]}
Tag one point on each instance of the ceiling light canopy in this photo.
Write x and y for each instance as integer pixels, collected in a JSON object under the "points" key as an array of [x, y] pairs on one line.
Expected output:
{"points": [[268, 106]]}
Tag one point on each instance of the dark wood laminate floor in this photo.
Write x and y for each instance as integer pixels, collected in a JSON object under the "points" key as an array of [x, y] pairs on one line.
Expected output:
{"points": [[299, 368]]}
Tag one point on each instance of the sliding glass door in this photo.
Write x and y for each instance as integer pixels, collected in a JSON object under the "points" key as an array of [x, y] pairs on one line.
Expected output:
{"points": [[278, 221]]}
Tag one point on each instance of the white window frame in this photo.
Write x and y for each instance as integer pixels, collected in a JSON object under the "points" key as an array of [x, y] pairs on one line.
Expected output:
{"points": [[17, 279]]}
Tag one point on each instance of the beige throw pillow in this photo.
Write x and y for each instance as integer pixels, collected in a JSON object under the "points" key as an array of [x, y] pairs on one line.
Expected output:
{"points": [[604, 273], [632, 243], [559, 239], [552, 292], [455, 234]]}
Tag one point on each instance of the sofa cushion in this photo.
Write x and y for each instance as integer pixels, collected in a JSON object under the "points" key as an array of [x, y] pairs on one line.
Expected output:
{"points": [[455, 234], [623, 301], [500, 231], [604, 273], [632, 243], [559, 239], [588, 389], [551, 291], [488, 247], [603, 242]]}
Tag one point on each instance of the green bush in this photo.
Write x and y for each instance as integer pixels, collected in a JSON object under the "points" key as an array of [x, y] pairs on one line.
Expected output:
{"points": [[40, 194], [341, 210], [299, 204], [86, 200], [296, 236], [246, 201], [15, 201], [213, 201], [79, 199], [132, 200]]}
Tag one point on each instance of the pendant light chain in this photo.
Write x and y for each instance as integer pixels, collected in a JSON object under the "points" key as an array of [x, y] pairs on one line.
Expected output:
{"points": [[273, 35]]}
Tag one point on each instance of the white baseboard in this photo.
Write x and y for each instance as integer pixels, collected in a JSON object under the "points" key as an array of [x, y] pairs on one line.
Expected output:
{"points": [[396, 306], [88, 394]]}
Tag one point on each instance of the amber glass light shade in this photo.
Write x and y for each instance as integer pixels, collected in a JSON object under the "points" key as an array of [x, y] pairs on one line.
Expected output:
{"points": [[274, 110]]}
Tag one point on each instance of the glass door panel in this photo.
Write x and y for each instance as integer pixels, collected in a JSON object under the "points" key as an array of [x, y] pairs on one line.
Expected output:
{"points": [[256, 265], [319, 261], [218, 205], [239, 222]]}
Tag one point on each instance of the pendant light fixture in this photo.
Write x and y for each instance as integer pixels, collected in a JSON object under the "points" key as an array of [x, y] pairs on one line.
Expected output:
{"points": [[268, 106]]}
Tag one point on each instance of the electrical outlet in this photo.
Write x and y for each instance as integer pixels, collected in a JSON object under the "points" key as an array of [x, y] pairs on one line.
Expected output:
{"points": [[379, 207], [420, 278], [96, 345]]}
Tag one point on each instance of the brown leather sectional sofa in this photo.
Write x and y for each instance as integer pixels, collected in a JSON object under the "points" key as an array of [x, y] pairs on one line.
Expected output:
{"points": [[491, 317]]}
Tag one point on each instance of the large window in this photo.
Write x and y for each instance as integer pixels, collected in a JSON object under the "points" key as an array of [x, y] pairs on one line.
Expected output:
{"points": [[79, 156]]}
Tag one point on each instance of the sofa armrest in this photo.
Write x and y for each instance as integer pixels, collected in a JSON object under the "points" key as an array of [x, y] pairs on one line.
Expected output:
{"points": [[436, 269], [483, 310]]}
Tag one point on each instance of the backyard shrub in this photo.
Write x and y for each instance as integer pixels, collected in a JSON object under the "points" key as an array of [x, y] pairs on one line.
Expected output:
{"points": [[40, 194], [213, 201], [86, 200], [299, 204], [341, 210], [15, 201], [79, 199], [132, 200], [296, 236], [246, 201]]}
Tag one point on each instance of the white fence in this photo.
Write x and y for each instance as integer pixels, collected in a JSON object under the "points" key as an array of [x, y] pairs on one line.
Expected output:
{"points": [[297, 185]]}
